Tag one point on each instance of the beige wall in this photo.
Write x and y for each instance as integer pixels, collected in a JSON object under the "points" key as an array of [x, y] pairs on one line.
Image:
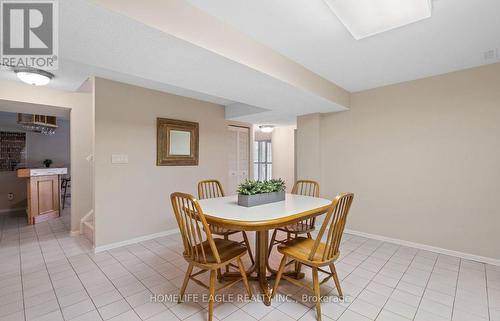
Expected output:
{"points": [[25, 97], [283, 147], [10, 183], [422, 158], [308, 147], [133, 200]]}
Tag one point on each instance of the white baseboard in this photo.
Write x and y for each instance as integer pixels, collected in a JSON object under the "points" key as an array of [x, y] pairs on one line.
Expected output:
{"points": [[134, 240], [74, 233], [10, 210], [467, 256]]}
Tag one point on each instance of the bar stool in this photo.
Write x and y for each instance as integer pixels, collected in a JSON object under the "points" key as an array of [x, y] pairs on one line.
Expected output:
{"points": [[65, 183]]}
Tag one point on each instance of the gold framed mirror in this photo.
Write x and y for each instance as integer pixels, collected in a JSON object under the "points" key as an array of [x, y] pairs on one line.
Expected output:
{"points": [[177, 142]]}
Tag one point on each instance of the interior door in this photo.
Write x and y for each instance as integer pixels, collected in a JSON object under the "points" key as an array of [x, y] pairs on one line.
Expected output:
{"points": [[238, 157]]}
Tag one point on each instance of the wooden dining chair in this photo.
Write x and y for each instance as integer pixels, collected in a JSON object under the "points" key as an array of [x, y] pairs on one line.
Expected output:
{"points": [[301, 187], [212, 188], [317, 254], [203, 251]]}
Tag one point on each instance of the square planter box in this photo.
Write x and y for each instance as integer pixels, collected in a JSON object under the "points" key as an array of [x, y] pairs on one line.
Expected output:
{"points": [[259, 199]]}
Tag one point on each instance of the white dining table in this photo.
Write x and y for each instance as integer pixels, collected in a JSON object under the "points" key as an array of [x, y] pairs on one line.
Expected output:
{"points": [[225, 212]]}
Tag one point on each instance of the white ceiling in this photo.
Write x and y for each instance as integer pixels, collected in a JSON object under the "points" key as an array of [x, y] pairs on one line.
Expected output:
{"points": [[96, 41], [454, 38]]}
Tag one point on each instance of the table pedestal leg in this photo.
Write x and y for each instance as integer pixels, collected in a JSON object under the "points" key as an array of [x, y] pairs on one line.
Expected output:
{"points": [[261, 271], [261, 245]]}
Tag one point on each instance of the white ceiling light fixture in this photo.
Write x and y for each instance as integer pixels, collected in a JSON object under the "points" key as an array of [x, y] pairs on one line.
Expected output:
{"points": [[266, 128], [34, 76], [365, 18]]}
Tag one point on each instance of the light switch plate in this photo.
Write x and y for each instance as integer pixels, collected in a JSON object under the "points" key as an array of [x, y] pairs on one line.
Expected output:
{"points": [[119, 159]]}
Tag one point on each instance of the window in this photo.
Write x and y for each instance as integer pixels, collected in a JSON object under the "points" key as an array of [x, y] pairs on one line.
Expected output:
{"points": [[262, 160]]}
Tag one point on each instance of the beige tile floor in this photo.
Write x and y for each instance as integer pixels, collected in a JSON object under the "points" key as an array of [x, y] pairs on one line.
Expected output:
{"points": [[47, 275]]}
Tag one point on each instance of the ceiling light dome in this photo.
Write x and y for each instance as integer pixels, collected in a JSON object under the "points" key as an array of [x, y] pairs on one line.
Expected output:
{"points": [[34, 76], [266, 128]]}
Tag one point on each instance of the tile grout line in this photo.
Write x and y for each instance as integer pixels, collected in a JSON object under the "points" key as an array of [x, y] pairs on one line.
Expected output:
{"points": [[114, 286], [238, 308], [425, 288], [456, 288], [76, 273], [25, 251], [119, 262], [487, 292], [47, 269], [394, 289], [21, 268], [139, 258], [371, 280], [366, 241]]}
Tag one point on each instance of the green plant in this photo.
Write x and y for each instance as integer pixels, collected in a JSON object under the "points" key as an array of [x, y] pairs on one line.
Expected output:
{"points": [[47, 162], [250, 187]]}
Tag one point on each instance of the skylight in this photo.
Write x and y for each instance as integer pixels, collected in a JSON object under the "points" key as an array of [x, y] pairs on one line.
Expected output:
{"points": [[364, 18]]}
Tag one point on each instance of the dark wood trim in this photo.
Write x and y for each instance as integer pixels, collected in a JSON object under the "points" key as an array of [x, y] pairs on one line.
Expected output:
{"points": [[163, 128]]}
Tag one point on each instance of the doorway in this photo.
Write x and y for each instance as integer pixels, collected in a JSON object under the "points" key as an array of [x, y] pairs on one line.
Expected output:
{"points": [[238, 157], [32, 142]]}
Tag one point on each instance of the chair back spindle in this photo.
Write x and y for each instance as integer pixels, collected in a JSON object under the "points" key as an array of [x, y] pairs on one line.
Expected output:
{"points": [[333, 225], [194, 228], [210, 188], [306, 188]]}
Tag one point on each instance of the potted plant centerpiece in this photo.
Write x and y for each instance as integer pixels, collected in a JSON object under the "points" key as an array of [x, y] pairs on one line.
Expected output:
{"points": [[252, 193], [47, 162]]}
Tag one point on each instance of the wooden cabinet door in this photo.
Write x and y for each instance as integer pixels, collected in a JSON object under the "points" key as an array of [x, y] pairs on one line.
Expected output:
{"points": [[43, 198]]}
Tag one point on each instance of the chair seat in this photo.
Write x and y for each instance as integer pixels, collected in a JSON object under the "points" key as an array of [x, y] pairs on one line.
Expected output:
{"points": [[228, 250], [299, 248], [217, 230], [297, 228]]}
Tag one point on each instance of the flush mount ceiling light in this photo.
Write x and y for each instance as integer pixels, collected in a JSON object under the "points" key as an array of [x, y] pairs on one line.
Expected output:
{"points": [[364, 18], [34, 76], [266, 128]]}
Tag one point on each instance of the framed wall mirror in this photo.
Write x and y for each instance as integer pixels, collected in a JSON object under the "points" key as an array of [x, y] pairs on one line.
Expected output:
{"points": [[177, 142]]}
